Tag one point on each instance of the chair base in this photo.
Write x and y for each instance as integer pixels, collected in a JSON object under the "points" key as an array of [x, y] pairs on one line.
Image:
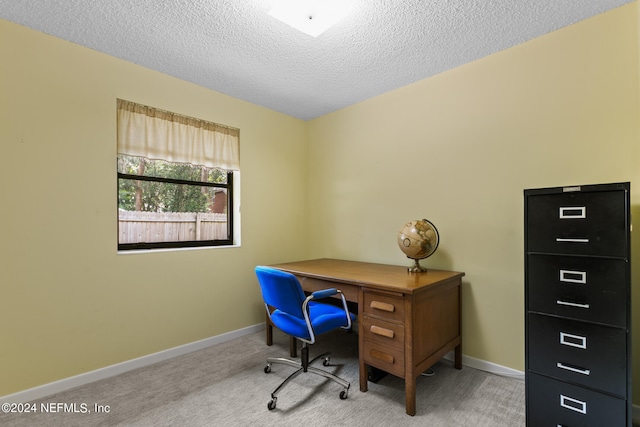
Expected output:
{"points": [[303, 366]]}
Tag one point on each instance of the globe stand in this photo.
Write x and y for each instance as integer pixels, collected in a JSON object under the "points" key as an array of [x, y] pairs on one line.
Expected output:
{"points": [[417, 268]]}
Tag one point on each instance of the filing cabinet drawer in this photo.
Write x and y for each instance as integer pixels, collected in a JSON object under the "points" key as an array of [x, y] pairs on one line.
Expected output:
{"points": [[579, 352], [381, 332], [581, 223], [555, 403], [389, 358], [387, 306], [583, 288]]}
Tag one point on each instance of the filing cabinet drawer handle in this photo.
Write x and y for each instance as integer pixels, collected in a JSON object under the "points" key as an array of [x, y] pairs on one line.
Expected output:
{"points": [[573, 212], [573, 369], [383, 306], [382, 356], [570, 276], [573, 404], [572, 304], [382, 331], [573, 340], [558, 239]]}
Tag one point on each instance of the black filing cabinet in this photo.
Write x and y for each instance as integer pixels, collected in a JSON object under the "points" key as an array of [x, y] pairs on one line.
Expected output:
{"points": [[578, 305]]}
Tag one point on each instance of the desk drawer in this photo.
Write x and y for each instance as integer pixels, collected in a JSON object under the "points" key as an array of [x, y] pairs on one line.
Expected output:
{"points": [[555, 403], [386, 357], [310, 284], [381, 332], [583, 353], [389, 307]]}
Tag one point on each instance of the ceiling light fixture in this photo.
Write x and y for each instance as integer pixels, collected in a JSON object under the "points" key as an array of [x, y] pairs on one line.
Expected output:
{"points": [[312, 17]]}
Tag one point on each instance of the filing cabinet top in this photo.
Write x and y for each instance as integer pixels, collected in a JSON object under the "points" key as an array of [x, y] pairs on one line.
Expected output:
{"points": [[625, 186]]}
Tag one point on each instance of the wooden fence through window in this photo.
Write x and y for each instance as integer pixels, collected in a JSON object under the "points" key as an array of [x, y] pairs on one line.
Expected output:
{"points": [[152, 227]]}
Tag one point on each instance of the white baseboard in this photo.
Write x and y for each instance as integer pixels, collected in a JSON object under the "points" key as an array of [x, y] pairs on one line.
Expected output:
{"points": [[492, 368], [119, 368]]}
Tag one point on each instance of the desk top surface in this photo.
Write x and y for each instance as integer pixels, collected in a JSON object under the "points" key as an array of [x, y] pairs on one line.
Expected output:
{"points": [[370, 274]]}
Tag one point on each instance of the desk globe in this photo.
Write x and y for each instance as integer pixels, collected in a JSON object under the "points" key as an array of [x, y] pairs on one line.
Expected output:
{"points": [[418, 239]]}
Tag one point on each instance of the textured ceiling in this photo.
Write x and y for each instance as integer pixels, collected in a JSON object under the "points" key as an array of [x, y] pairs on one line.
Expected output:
{"points": [[235, 47]]}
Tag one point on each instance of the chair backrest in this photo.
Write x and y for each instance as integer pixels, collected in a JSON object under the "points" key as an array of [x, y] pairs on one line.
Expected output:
{"points": [[281, 290]]}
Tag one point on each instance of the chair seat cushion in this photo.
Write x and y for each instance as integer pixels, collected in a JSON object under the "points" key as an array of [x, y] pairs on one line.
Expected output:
{"points": [[324, 317]]}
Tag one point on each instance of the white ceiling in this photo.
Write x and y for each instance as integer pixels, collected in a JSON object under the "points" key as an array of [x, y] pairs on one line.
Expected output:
{"points": [[235, 47]]}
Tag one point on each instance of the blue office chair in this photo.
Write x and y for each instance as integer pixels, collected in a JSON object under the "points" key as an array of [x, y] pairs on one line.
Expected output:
{"points": [[301, 317]]}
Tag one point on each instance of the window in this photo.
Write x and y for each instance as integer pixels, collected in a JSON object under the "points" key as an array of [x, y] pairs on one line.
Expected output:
{"points": [[175, 180]]}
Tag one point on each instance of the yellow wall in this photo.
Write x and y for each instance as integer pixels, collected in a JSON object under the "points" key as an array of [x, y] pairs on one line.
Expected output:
{"points": [[459, 148], [69, 303]]}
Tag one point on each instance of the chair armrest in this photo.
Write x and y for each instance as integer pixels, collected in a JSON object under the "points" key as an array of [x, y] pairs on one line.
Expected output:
{"points": [[324, 293]]}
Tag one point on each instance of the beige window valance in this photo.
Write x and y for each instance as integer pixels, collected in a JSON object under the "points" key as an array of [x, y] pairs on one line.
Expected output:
{"points": [[161, 135]]}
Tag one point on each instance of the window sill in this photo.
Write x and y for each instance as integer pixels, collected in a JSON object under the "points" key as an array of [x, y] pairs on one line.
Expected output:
{"points": [[197, 248]]}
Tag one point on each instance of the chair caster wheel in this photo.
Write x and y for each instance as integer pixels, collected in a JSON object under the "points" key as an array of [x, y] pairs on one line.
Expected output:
{"points": [[326, 361], [343, 394], [272, 404], [267, 369]]}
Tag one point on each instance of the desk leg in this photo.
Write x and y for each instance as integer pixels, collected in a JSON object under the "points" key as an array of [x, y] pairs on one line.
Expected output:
{"points": [[269, 331], [364, 375], [410, 392], [293, 345], [457, 362]]}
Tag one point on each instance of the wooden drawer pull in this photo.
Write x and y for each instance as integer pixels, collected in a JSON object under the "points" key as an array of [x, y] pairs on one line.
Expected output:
{"points": [[382, 331], [383, 306], [382, 356]]}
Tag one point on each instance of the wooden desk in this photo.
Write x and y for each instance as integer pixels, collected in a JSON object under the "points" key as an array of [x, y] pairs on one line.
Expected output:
{"points": [[407, 321]]}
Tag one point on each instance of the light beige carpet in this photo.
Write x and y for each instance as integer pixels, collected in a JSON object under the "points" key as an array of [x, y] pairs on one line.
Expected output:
{"points": [[225, 385]]}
